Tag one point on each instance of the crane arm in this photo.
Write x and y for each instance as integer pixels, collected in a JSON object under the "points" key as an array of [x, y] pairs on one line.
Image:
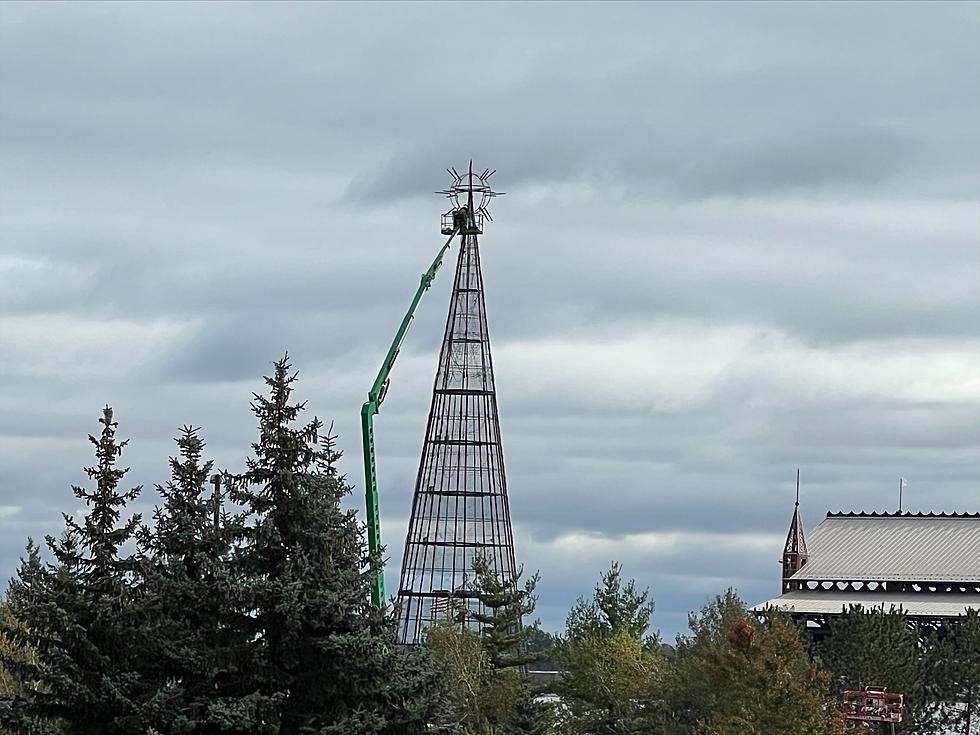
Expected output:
{"points": [[371, 407]]}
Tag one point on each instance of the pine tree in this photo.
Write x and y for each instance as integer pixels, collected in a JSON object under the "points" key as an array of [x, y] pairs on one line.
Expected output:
{"points": [[79, 615], [505, 637], [507, 602], [694, 696], [314, 655], [612, 676], [489, 693], [614, 608], [873, 647], [954, 671]]}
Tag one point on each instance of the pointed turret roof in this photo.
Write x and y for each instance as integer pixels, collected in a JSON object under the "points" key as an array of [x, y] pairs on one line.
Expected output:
{"points": [[796, 539]]}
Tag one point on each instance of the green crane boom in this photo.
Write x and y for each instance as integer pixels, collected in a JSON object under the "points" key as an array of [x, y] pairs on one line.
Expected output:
{"points": [[375, 396]]}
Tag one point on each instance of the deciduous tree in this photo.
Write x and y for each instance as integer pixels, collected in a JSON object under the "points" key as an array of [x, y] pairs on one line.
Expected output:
{"points": [[737, 676]]}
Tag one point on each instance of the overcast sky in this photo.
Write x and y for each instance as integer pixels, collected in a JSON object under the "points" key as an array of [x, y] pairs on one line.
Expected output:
{"points": [[737, 240]]}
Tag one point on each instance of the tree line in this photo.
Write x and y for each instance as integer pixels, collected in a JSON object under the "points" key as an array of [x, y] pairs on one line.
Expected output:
{"points": [[254, 617]]}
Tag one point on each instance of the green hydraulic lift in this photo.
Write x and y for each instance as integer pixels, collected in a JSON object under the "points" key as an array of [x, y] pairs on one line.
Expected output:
{"points": [[375, 396]]}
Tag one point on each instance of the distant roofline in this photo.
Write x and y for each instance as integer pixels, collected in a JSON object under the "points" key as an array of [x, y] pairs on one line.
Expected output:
{"points": [[835, 602], [906, 514]]}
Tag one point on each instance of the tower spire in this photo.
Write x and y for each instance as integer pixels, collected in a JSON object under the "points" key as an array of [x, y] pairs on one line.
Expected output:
{"points": [[795, 554], [460, 509]]}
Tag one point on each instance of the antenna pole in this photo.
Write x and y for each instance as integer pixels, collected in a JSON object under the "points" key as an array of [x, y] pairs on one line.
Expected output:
{"points": [[797, 485], [216, 500]]}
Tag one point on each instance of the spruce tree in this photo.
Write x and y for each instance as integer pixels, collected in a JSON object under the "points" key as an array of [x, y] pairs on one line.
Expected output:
{"points": [[505, 635], [187, 589], [314, 656], [78, 615]]}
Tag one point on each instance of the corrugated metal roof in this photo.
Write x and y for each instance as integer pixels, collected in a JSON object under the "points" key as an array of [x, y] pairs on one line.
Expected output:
{"points": [[894, 548], [834, 601]]}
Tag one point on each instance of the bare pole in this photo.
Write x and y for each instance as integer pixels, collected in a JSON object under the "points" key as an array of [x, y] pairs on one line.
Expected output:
{"points": [[216, 500]]}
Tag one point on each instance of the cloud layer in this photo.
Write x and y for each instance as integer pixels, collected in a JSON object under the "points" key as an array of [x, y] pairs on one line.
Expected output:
{"points": [[737, 239]]}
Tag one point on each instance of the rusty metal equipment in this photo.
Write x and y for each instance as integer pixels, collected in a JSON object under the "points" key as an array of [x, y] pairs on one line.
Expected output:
{"points": [[874, 704]]}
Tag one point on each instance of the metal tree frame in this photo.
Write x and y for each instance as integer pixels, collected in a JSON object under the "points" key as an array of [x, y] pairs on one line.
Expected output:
{"points": [[460, 508]]}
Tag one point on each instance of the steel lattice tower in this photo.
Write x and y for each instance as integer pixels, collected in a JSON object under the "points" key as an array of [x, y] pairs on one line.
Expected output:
{"points": [[460, 508]]}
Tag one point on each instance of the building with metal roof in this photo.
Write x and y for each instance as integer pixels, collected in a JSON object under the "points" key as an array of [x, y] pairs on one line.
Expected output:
{"points": [[924, 564]]}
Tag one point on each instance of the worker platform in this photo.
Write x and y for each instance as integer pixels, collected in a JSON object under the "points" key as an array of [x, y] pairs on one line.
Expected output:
{"points": [[457, 220]]}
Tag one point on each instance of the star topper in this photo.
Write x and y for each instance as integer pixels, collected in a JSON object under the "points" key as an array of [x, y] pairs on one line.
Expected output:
{"points": [[470, 190]]}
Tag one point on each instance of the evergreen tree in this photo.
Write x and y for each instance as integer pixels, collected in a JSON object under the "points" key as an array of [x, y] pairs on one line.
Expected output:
{"points": [[694, 697], [489, 694], [79, 615], [611, 685], [13, 659], [187, 588], [507, 603], [954, 670], [878, 648], [314, 655], [541, 641], [505, 637], [612, 676], [614, 608]]}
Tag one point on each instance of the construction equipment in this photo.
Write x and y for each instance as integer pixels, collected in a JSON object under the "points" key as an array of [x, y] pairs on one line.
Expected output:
{"points": [[371, 407], [874, 704]]}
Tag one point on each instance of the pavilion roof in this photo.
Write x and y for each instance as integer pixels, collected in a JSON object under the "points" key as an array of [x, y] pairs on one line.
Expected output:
{"points": [[894, 547], [829, 602]]}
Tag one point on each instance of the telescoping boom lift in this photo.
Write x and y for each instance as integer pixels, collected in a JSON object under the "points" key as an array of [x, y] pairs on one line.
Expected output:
{"points": [[375, 396]]}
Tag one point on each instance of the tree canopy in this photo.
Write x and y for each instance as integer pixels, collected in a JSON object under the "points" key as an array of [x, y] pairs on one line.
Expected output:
{"points": [[243, 607]]}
